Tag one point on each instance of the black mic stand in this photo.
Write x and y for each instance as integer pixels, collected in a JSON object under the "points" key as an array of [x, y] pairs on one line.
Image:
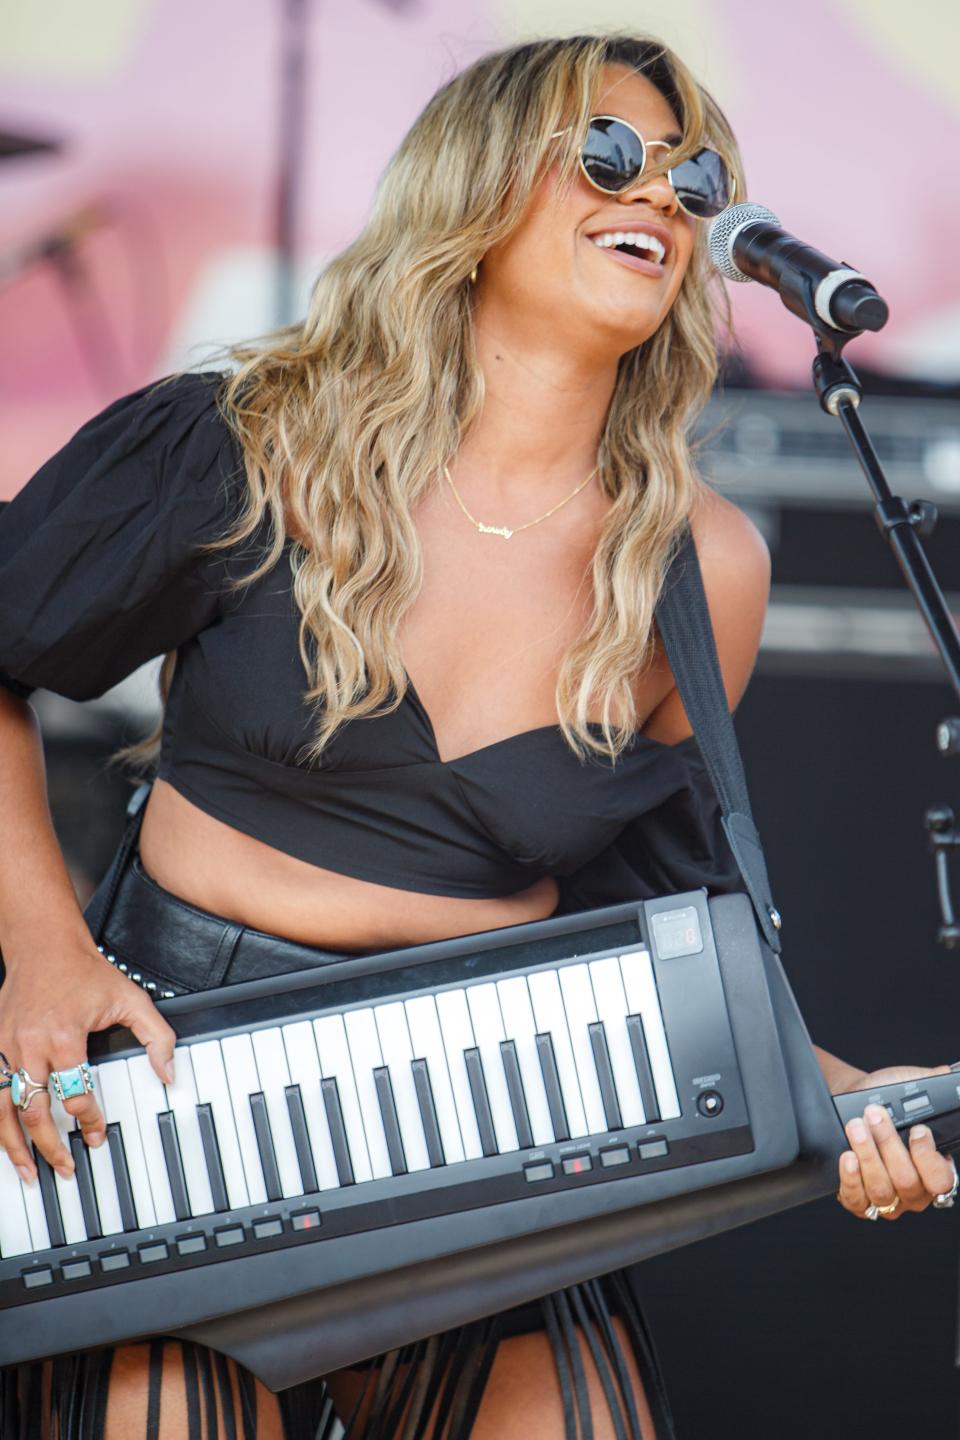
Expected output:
{"points": [[904, 526]]}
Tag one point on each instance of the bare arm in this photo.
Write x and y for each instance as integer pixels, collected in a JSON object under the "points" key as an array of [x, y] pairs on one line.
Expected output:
{"points": [[37, 898], [57, 986]]}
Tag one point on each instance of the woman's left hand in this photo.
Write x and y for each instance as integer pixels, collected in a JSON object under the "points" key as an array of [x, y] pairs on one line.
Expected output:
{"points": [[879, 1168]]}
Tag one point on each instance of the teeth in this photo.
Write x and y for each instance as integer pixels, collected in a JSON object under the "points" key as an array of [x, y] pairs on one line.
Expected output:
{"points": [[635, 238]]}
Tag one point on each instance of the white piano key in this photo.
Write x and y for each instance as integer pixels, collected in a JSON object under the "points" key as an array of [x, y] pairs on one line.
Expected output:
{"points": [[15, 1237], [335, 1064], [105, 1189], [612, 1010], [301, 1048], [581, 1011], [366, 1057], [104, 1181], [210, 1078], [150, 1100], [484, 1006], [457, 1033], [427, 1044], [551, 1019], [182, 1100], [397, 1055], [271, 1060], [117, 1103], [36, 1215], [519, 1026], [243, 1080], [71, 1211], [642, 998]]}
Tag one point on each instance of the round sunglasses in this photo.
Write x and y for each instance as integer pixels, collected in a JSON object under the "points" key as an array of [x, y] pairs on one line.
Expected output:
{"points": [[614, 154]]}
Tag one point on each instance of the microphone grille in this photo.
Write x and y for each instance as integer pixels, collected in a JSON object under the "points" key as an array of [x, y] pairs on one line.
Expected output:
{"points": [[726, 228]]}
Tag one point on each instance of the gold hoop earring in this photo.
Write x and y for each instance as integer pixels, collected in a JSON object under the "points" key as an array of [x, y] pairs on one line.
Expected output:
{"points": [[473, 276]]}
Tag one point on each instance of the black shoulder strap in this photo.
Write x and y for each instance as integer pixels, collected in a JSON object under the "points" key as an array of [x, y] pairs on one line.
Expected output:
{"points": [[684, 623], [101, 902]]}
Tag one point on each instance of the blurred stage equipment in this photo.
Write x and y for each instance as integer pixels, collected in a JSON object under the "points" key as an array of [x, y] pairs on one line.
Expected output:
{"points": [[12, 146], [294, 42], [61, 248]]}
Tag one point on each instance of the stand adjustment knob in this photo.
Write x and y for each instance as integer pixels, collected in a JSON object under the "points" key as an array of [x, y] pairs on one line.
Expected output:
{"points": [[948, 736], [923, 516]]}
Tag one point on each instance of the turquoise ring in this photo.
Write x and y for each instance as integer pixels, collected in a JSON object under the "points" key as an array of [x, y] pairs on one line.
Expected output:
{"points": [[23, 1088], [69, 1084]]}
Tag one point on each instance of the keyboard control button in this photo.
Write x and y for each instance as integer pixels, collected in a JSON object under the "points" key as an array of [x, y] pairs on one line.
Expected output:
{"points": [[305, 1220], [615, 1155], [76, 1269], [577, 1164], [709, 1103], [540, 1170], [150, 1254], [115, 1260], [33, 1279], [233, 1235], [267, 1229], [913, 1103], [653, 1149], [191, 1244]]}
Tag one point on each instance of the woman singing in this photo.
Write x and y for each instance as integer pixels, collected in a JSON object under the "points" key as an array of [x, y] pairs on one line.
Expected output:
{"points": [[402, 559]]}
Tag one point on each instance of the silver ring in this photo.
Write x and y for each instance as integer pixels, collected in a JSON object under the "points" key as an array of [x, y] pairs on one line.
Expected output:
{"points": [[947, 1199], [23, 1088], [72, 1082]]}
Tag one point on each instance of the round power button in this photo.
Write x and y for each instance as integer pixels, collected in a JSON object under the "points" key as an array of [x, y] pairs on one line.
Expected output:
{"points": [[709, 1103]]}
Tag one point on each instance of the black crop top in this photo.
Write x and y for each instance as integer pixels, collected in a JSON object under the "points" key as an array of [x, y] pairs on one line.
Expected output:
{"points": [[99, 572]]}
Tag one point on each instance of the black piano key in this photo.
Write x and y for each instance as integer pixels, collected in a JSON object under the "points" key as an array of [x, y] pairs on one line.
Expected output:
{"points": [[121, 1175], [481, 1104], [268, 1156], [428, 1113], [551, 1083], [338, 1131], [391, 1125], [641, 1061], [518, 1101], [51, 1203], [301, 1140], [211, 1154], [170, 1141], [84, 1174], [601, 1063]]}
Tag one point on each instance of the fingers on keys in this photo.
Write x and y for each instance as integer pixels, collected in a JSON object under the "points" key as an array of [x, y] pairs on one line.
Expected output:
{"points": [[38, 1123], [154, 1034]]}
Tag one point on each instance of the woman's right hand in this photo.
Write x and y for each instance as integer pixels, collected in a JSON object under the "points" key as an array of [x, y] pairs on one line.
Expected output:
{"points": [[48, 1006]]}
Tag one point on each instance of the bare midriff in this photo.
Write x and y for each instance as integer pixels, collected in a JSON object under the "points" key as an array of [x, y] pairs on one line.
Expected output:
{"points": [[217, 868]]}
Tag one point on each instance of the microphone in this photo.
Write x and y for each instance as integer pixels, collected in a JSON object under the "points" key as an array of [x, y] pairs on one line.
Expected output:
{"points": [[747, 242]]}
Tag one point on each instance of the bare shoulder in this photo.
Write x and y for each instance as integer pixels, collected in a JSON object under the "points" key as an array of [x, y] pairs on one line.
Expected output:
{"points": [[735, 564]]}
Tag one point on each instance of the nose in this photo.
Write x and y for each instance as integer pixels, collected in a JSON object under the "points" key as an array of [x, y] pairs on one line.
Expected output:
{"points": [[657, 192]]}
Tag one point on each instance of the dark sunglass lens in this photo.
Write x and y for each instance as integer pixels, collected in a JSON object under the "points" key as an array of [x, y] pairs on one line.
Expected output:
{"points": [[612, 154], [703, 184]]}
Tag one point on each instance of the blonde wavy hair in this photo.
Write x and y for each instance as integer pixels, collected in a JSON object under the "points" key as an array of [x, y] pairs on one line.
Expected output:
{"points": [[345, 417]]}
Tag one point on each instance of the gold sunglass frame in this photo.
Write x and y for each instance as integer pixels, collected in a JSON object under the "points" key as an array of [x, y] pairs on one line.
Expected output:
{"points": [[646, 145]]}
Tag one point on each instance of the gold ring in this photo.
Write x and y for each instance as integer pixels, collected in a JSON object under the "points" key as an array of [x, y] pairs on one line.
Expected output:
{"points": [[887, 1210]]}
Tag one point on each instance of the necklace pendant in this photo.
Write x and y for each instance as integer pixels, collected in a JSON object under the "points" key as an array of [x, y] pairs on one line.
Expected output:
{"points": [[494, 530]]}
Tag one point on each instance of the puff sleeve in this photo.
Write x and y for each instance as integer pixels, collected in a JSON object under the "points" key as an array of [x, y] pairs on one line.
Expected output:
{"points": [[99, 569], [678, 845]]}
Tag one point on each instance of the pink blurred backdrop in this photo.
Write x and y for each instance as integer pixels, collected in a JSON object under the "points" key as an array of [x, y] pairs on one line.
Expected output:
{"points": [[168, 116]]}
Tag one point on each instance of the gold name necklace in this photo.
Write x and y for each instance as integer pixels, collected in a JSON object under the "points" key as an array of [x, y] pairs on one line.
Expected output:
{"points": [[502, 530]]}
